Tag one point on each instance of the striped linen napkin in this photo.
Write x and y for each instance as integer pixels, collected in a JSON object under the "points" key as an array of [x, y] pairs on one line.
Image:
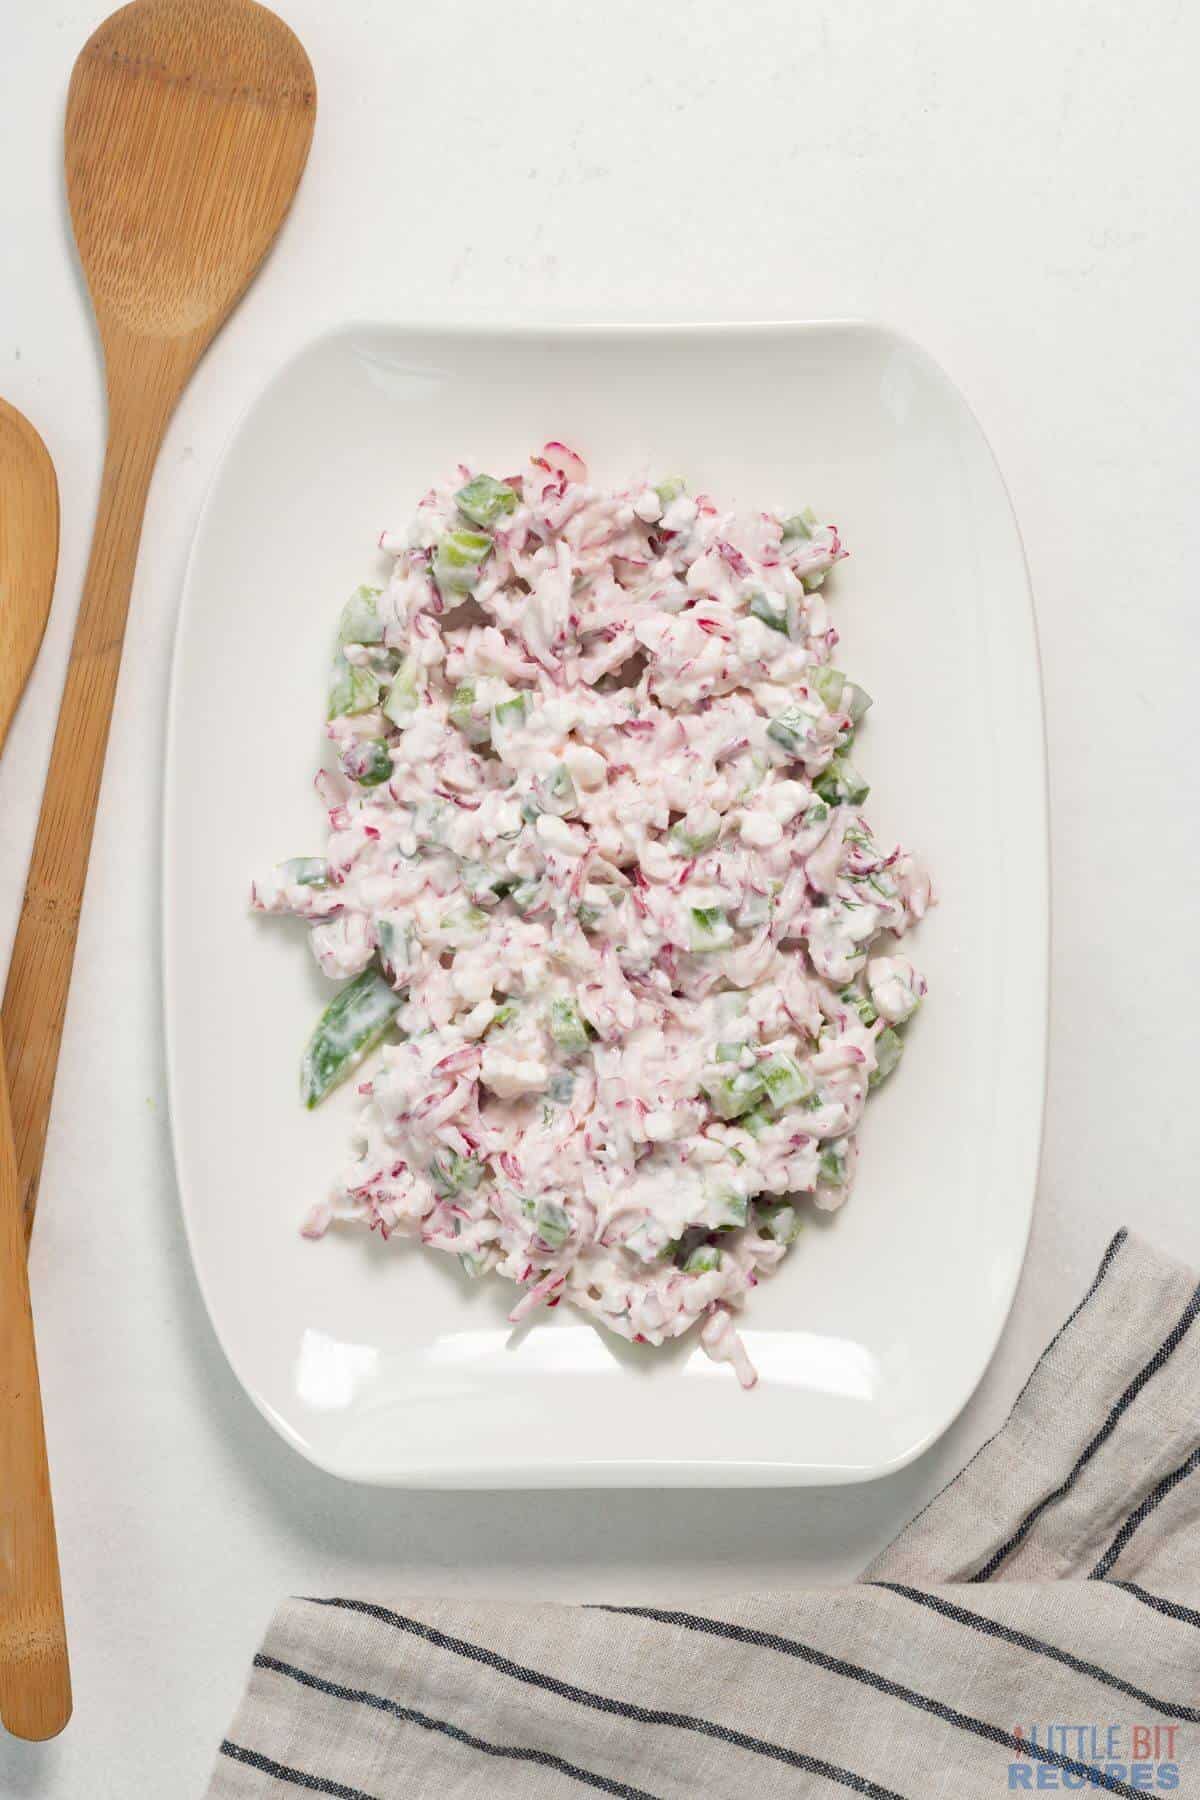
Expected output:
{"points": [[1036, 1627]]}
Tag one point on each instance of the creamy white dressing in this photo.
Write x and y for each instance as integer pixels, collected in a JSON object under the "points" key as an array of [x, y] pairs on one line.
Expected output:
{"points": [[595, 823]]}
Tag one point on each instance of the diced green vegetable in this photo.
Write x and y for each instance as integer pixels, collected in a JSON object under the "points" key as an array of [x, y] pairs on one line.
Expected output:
{"points": [[305, 871], [780, 1218], [376, 763], [833, 1162], [860, 1004], [841, 784], [360, 622], [794, 729], [460, 557], [710, 929], [567, 1027], [484, 883], [816, 814], [393, 941], [463, 924], [555, 793], [352, 1023], [502, 1015], [508, 715], [485, 500], [771, 609], [474, 725], [693, 843], [733, 1209], [588, 915], [560, 1087], [552, 1224], [860, 703], [830, 684], [670, 489], [756, 1121], [524, 893], [730, 1096], [451, 1173], [889, 1048], [787, 1084], [404, 694], [702, 1259], [353, 688], [729, 1052], [800, 526]]}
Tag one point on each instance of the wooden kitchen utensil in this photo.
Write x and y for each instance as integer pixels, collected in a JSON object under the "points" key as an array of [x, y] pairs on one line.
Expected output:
{"points": [[35, 1680], [188, 127]]}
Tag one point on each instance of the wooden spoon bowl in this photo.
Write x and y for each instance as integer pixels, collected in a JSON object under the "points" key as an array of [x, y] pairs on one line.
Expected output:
{"points": [[188, 126]]}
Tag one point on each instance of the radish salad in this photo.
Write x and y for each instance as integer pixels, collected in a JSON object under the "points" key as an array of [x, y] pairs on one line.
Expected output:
{"points": [[602, 896]]}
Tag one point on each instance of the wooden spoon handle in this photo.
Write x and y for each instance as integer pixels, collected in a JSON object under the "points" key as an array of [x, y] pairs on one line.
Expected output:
{"points": [[39, 975], [35, 1678]]}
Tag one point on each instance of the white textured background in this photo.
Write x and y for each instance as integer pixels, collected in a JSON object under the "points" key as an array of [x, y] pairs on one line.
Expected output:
{"points": [[1013, 185]]}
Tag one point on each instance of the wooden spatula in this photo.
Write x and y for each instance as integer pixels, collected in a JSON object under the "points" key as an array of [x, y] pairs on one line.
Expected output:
{"points": [[35, 1681], [188, 127]]}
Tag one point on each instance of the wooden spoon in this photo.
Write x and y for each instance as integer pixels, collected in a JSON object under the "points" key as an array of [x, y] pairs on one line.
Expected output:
{"points": [[188, 127], [35, 1681]]}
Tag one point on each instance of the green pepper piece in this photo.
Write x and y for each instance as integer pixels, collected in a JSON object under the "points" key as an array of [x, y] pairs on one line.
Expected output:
{"points": [[351, 1025]]}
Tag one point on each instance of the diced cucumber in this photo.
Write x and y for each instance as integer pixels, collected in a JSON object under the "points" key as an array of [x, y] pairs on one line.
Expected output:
{"points": [[694, 842], [510, 715], [771, 609], [787, 1084], [474, 725], [780, 1218], [889, 1048], [859, 704], [731, 1096], [833, 1162], [710, 929], [485, 500], [830, 683], [729, 1052], [451, 1173], [733, 1209], [841, 784], [859, 1004], [567, 1027], [524, 893], [393, 937], [560, 1087], [670, 489], [404, 695], [460, 557], [794, 729], [555, 793], [360, 622], [800, 526], [372, 763], [304, 871], [353, 688], [703, 1259], [552, 1224], [353, 1023]]}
